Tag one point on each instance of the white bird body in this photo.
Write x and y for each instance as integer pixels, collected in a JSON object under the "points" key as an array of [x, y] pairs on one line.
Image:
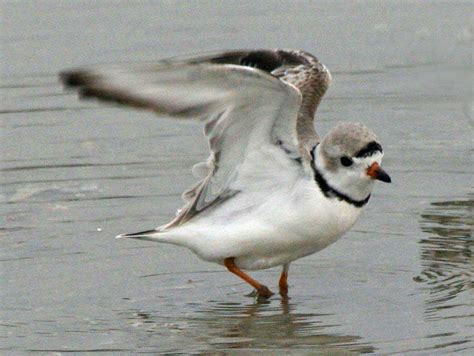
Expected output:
{"points": [[271, 192], [276, 219]]}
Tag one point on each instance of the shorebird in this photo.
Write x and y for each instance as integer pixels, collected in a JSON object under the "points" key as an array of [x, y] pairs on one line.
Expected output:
{"points": [[271, 190]]}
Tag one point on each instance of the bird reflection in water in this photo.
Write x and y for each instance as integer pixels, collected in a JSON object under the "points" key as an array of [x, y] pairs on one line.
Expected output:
{"points": [[447, 258], [262, 325]]}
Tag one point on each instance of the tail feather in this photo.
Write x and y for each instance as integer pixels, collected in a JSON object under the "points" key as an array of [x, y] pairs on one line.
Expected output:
{"points": [[142, 235]]}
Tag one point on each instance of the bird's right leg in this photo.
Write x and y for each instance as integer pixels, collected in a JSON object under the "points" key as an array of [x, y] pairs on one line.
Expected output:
{"points": [[283, 282], [262, 291]]}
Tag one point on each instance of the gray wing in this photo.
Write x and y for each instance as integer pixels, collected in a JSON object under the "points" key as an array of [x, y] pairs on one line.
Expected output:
{"points": [[250, 100], [242, 105], [298, 68]]}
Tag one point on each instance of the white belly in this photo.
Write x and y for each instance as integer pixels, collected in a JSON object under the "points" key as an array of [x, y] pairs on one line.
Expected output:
{"points": [[286, 226]]}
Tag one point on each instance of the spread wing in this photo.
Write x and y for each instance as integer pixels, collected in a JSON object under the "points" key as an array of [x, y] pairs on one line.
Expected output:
{"points": [[298, 68], [250, 101]]}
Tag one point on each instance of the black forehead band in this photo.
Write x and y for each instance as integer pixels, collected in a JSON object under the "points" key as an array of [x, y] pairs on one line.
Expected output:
{"points": [[369, 150]]}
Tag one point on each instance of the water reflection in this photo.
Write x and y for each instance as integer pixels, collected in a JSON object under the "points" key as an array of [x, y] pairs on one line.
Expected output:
{"points": [[270, 325], [447, 258]]}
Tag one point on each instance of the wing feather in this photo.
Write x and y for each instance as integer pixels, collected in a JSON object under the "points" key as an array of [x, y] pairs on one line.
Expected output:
{"points": [[249, 100], [240, 105], [298, 68]]}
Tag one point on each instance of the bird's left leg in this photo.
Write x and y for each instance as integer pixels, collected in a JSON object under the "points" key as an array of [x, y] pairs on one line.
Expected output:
{"points": [[262, 291], [283, 282]]}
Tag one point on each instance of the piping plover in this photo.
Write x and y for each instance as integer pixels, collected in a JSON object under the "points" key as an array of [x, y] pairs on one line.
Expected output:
{"points": [[271, 191]]}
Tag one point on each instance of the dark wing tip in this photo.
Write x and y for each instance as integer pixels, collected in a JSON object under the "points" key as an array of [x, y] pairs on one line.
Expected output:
{"points": [[263, 59], [74, 78], [91, 86], [269, 60]]}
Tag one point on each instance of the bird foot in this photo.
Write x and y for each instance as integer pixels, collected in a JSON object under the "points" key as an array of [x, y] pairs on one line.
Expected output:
{"points": [[284, 293], [261, 293], [264, 292]]}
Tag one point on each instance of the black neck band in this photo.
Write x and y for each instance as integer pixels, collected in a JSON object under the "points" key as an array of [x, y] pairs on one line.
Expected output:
{"points": [[330, 192]]}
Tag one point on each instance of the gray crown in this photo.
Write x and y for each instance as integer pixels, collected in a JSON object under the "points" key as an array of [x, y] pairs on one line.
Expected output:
{"points": [[349, 139]]}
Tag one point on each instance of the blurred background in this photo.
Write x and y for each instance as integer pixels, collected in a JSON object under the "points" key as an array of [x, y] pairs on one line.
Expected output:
{"points": [[75, 174]]}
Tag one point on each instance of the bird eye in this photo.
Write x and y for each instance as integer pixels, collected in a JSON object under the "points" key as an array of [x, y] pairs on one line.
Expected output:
{"points": [[346, 161]]}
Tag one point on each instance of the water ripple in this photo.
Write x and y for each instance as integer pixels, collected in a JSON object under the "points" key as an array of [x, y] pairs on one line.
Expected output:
{"points": [[447, 258]]}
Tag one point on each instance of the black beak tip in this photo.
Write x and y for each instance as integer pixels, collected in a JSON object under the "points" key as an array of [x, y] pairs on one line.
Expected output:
{"points": [[384, 177]]}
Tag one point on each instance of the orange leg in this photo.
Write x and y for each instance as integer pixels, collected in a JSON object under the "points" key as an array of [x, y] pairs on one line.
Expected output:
{"points": [[283, 282], [262, 291]]}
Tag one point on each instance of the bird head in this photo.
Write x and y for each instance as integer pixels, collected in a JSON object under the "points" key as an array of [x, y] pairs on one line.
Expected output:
{"points": [[350, 158]]}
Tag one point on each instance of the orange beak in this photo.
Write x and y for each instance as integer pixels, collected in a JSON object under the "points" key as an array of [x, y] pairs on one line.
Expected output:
{"points": [[376, 172]]}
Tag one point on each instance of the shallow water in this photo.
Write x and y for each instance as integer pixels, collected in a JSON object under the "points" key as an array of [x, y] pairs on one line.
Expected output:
{"points": [[76, 174]]}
